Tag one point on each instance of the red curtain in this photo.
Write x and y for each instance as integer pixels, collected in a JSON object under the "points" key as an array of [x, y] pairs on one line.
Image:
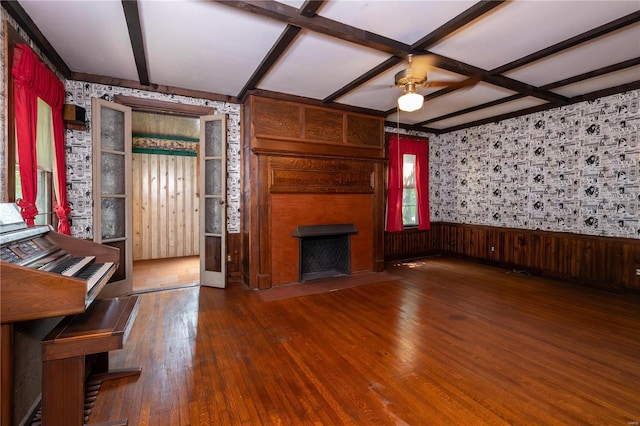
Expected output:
{"points": [[33, 80], [398, 146]]}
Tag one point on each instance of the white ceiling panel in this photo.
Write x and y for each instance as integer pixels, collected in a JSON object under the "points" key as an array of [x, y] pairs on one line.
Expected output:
{"points": [[91, 27], [521, 27], [386, 94], [405, 21], [207, 52], [488, 112], [583, 58], [316, 66], [627, 75]]}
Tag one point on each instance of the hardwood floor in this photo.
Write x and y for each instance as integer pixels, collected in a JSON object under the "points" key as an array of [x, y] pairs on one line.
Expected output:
{"points": [[445, 342], [150, 275]]}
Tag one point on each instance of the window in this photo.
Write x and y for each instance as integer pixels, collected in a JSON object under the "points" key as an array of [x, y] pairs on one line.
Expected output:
{"points": [[44, 156], [36, 113], [408, 184], [409, 191], [44, 201]]}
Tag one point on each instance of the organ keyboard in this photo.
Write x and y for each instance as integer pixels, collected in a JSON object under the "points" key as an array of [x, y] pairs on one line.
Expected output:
{"points": [[46, 274]]}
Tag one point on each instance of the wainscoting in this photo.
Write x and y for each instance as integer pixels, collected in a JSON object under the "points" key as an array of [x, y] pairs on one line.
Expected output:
{"points": [[603, 262], [165, 206]]}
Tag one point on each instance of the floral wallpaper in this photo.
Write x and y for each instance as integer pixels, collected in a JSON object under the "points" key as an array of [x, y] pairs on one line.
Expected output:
{"points": [[79, 151], [571, 169]]}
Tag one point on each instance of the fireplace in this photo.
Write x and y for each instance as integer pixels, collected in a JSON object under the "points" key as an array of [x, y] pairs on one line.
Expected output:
{"points": [[325, 250]]}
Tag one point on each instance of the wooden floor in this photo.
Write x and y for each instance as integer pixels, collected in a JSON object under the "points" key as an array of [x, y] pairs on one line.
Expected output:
{"points": [[155, 274], [444, 343]]}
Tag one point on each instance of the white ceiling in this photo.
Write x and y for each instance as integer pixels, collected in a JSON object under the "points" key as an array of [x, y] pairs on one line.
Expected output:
{"points": [[218, 48]]}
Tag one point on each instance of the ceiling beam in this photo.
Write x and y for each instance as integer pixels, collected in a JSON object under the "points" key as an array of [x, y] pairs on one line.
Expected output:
{"points": [[311, 7], [26, 23], [386, 65], [472, 109], [286, 38], [406, 126], [498, 80], [319, 24], [459, 21], [495, 119], [132, 16], [313, 102], [570, 42], [591, 74], [159, 88], [308, 9]]}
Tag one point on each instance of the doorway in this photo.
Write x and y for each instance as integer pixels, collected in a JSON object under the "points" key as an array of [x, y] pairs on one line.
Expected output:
{"points": [[165, 201]]}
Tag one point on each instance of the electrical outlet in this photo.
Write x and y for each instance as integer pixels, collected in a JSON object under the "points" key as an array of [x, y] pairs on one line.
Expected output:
{"points": [[493, 248], [229, 258], [637, 271]]}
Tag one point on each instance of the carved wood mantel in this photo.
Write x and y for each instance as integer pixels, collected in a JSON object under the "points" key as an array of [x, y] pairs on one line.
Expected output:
{"points": [[306, 165]]}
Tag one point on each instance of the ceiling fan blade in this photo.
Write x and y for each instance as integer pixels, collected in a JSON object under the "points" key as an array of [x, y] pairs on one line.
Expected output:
{"points": [[453, 84]]}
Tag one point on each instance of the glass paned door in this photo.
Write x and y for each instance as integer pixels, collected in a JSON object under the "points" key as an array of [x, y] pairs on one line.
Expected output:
{"points": [[111, 134], [212, 163]]}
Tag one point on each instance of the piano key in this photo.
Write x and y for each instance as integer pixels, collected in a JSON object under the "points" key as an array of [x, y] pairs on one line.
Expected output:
{"points": [[69, 267], [94, 273]]}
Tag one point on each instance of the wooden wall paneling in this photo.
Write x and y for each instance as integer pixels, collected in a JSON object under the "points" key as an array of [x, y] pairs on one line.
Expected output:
{"points": [[616, 263], [263, 225], [603, 262], [233, 251], [409, 244], [179, 196], [276, 118], [165, 206], [323, 125], [172, 218], [364, 130], [163, 217], [470, 236], [599, 260], [632, 259], [482, 249], [378, 216], [136, 203]]}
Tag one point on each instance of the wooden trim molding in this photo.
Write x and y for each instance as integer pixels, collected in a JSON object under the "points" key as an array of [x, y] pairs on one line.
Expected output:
{"points": [[152, 105]]}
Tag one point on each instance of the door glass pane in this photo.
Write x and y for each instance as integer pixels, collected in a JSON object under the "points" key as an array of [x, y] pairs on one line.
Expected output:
{"points": [[213, 216], [213, 173], [112, 174], [113, 218], [112, 129], [213, 138]]}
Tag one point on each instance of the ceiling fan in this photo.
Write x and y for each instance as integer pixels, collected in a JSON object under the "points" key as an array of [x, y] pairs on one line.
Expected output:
{"points": [[415, 75]]}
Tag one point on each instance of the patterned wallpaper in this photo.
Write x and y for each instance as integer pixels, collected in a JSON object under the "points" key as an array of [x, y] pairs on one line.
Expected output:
{"points": [[571, 169], [79, 151]]}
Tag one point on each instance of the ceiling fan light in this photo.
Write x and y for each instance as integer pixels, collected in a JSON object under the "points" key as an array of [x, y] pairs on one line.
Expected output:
{"points": [[410, 101]]}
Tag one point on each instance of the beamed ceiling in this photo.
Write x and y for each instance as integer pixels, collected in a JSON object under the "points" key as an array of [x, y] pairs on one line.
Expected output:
{"points": [[522, 56]]}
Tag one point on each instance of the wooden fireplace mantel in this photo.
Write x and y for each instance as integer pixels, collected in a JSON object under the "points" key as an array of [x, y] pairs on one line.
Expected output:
{"points": [[307, 164]]}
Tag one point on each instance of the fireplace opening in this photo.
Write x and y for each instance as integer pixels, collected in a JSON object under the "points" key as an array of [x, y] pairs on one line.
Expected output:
{"points": [[325, 250]]}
